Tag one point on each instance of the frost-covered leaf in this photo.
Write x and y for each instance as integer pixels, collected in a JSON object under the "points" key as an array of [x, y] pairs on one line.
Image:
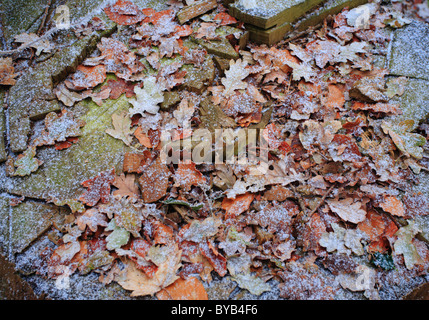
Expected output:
{"points": [[348, 210], [69, 97], [251, 282], [124, 12], [154, 181], [187, 175], [409, 143], [238, 205], [396, 86], [87, 77], [98, 188], [118, 237], [234, 77], [131, 278], [33, 40], [404, 244], [122, 128], [342, 240], [126, 185], [91, 218], [7, 70], [202, 230], [148, 98], [26, 163], [59, 128]]}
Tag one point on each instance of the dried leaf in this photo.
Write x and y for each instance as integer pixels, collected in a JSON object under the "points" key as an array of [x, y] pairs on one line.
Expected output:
{"points": [[393, 205], [87, 77], [7, 70], [98, 188], [26, 163], [148, 98], [188, 289], [348, 210], [234, 77], [187, 175], [33, 40], [140, 284], [404, 245], [118, 237], [59, 128], [124, 13], [126, 185], [122, 130], [154, 181], [241, 203], [91, 218]]}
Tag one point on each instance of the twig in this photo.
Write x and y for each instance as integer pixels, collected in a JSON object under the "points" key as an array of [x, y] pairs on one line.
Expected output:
{"points": [[45, 15], [300, 201], [322, 200]]}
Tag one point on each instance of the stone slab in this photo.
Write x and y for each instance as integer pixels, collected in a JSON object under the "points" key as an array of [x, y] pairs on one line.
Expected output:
{"points": [[409, 54], [270, 13], [4, 224], [2, 131], [32, 96], [414, 102], [62, 172], [18, 16]]}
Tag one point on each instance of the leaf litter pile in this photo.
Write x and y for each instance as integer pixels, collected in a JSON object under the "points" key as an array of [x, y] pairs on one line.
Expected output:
{"points": [[334, 207]]}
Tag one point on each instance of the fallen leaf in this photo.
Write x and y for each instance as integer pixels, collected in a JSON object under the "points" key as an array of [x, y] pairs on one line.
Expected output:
{"points": [[154, 181], [69, 98], [59, 127], [98, 188], [241, 203], [121, 128], [91, 218], [348, 210], [118, 237], [87, 77], [126, 185], [217, 260], [224, 18], [187, 175], [33, 40], [404, 245], [148, 98], [124, 13], [7, 70], [26, 163], [390, 108], [393, 205], [140, 284], [342, 240], [234, 77], [188, 289]]}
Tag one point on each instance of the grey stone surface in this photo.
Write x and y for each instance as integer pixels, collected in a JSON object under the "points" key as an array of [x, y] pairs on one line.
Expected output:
{"points": [[409, 53]]}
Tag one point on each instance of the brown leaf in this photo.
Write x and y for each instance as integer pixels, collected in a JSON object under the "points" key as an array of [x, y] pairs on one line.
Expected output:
{"points": [[58, 128], [124, 13], [390, 108], [7, 70], [240, 204], [87, 77], [154, 181], [393, 205], [98, 188], [187, 176], [189, 289], [126, 185], [91, 218]]}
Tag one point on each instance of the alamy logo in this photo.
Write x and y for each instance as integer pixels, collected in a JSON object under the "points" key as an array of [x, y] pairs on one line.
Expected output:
{"points": [[62, 17]]}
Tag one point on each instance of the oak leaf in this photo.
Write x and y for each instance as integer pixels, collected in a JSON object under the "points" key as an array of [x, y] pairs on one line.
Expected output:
{"points": [[26, 163], [59, 128], [91, 218], [124, 13], [131, 278], [148, 98], [234, 77], [122, 130], [348, 210], [154, 181], [404, 244], [187, 175], [98, 188], [393, 205], [87, 77], [241, 203], [33, 40], [126, 185]]}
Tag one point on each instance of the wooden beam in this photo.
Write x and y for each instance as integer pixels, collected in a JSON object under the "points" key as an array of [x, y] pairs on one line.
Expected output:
{"points": [[189, 12]]}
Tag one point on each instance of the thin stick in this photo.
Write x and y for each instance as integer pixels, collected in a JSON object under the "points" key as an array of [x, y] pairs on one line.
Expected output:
{"points": [[322, 200]]}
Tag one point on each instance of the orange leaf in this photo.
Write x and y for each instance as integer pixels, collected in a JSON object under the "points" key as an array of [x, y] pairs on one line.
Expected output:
{"points": [[187, 176], [87, 77], [98, 188], [241, 203], [335, 97], [154, 181], [393, 205], [183, 31], [7, 70], [142, 138], [189, 289], [225, 18], [124, 13]]}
